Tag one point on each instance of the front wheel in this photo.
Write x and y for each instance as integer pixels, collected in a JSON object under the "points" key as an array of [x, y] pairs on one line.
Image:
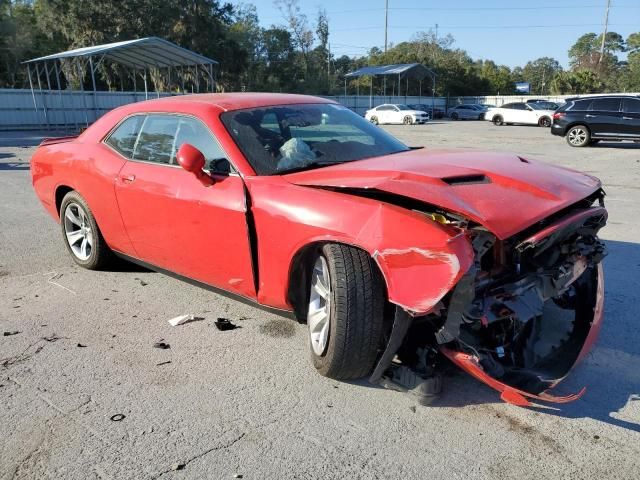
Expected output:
{"points": [[374, 120], [82, 237], [454, 116], [544, 122], [578, 136], [408, 120], [345, 313]]}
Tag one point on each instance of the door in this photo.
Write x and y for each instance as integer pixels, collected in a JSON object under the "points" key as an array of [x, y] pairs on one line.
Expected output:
{"points": [[631, 117], [604, 117], [394, 115], [176, 223], [520, 113]]}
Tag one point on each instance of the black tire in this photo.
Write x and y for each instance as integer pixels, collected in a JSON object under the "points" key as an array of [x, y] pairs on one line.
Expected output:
{"points": [[544, 122], [99, 255], [407, 120], [356, 314], [498, 121], [374, 120], [454, 116], [578, 136]]}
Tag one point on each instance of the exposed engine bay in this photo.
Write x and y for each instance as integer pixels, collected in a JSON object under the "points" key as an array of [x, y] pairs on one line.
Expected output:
{"points": [[520, 316]]}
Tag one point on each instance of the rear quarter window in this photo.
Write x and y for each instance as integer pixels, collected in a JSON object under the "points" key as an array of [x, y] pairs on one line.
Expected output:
{"points": [[123, 138]]}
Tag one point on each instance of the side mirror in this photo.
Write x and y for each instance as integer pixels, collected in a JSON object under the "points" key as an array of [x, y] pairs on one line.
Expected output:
{"points": [[192, 160]]}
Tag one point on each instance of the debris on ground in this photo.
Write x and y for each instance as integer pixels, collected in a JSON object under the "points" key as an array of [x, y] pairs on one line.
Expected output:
{"points": [[225, 324], [181, 319], [118, 417], [142, 282], [162, 345], [52, 338], [178, 466], [163, 363], [81, 345], [9, 334], [237, 475]]}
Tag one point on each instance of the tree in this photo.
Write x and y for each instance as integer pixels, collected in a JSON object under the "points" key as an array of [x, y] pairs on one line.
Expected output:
{"points": [[540, 72]]}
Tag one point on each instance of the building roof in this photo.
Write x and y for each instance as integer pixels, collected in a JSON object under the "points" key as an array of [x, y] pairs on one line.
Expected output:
{"points": [[414, 70], [140, 53]]}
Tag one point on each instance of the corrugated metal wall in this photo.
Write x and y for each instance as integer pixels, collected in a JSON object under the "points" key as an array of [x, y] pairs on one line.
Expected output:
{"points": [[53, 109]]}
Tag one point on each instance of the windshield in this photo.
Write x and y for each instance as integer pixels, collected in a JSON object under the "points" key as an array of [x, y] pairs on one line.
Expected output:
{"points": [[283, 138]]}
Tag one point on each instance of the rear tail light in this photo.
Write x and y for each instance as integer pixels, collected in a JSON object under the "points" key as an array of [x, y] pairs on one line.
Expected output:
{"points": [[558, 115]]}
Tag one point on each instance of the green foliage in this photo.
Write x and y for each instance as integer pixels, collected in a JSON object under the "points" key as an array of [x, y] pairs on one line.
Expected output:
{"points": [[294, 56]]}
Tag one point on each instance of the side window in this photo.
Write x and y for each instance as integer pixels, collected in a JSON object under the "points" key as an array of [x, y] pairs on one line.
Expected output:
{"points": [[581, 105], [155, 143], [508, 105], [123, 138], [519, 106], [194, 132], [631, 105], [606, 104]]}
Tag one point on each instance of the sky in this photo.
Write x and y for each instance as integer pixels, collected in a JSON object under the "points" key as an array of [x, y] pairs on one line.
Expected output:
{"points": [[508, 32]]}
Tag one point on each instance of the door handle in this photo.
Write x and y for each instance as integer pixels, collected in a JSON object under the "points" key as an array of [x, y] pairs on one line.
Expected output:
{"points": [[627, 118], [127, 178], [590, 116]]}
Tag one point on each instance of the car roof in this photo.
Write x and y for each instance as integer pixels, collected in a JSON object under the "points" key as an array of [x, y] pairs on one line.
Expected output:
{"points": [[593, 97], [230, 101]]}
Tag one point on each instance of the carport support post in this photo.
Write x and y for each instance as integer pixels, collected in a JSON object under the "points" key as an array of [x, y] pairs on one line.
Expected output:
{"points": [[406, 90], [84, 98], [64, 111], [146, 90], [33, 94], [44, 101], [419, 91], [399, 84], [433, 97], [371, 93], [93, 81]]}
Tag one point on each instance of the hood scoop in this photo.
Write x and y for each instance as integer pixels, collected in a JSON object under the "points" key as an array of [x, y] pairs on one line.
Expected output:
{"points": [[466, 180]]}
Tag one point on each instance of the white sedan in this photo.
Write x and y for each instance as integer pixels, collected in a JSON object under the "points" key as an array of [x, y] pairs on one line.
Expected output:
{"points": [[395, 113], [520, 113]]}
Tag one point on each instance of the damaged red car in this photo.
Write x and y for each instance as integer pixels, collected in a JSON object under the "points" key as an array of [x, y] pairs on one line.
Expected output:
{"points": [[396, 258]]}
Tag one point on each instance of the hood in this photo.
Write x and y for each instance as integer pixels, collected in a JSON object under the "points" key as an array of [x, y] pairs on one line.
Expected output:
{"points": [[501, 191]]}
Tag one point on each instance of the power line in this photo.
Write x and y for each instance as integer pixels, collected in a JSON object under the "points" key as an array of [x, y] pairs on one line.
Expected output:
{"points": [[489, 27], [475, 9]]}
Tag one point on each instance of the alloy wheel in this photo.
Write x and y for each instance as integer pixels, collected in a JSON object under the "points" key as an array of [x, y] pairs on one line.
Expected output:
{"points": [[577, 136], [77, 229], [319, 312]]}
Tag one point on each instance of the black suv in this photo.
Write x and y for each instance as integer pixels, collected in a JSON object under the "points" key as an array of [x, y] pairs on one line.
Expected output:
{"points": [[587, 120]]}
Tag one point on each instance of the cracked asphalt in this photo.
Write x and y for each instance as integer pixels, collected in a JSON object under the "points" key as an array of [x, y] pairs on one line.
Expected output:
{"points": [[79, 350]]}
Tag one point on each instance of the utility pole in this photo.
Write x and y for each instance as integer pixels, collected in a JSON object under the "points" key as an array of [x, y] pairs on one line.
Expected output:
{"points": [[386, 23], [604, 33]]}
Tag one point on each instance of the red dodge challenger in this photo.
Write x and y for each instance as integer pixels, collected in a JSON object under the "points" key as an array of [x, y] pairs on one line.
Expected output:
{"points": [[396, 258]]}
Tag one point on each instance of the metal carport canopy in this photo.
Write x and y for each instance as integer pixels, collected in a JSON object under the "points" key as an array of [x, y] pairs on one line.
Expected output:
{"points": [[414, 70], [138, 54]]}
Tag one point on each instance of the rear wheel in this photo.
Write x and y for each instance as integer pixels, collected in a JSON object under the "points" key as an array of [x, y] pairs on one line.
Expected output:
{"points": [[498, 120], [82, 236], [578, 136], [374, 120], [544, 122], [408, 120], [345, 313]]}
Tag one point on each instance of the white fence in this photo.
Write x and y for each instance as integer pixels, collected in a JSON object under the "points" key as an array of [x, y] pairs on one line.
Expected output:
{"points": [[53, 109]]}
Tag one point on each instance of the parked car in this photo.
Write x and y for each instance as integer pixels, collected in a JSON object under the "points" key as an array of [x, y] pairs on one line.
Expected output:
{"points": [[395, 113], [298, 205], [519, 113], [544, 104], [434, 113], [466, 112], [587, 120]]}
